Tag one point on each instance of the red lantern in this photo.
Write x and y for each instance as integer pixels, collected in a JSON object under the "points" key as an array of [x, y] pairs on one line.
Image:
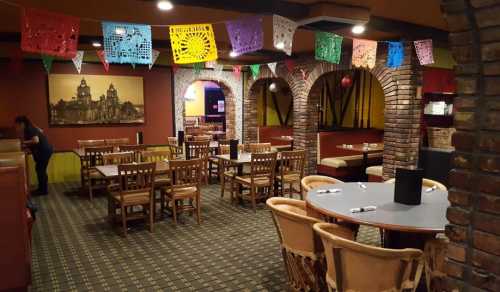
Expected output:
{"points": [[346, 81]]}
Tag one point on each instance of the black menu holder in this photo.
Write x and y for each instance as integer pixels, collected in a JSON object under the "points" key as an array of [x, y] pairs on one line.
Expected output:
{"points": [[139, 138], [408, 186], [233, 149], [180, 138]]}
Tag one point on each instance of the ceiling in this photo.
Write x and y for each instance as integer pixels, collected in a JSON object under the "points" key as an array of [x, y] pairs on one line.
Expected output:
{"points": [[425, 13]]}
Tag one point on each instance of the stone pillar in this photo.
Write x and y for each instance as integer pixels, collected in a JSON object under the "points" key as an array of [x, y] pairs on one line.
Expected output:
{"points": [[473, 258]]}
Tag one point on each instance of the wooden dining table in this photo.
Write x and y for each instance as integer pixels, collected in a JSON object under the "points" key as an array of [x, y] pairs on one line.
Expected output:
{"points": [[110, 171], [404, 225]]}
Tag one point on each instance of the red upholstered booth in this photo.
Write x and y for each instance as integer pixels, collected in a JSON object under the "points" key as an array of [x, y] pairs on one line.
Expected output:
{"points": [[328, 142], [266, 134]]}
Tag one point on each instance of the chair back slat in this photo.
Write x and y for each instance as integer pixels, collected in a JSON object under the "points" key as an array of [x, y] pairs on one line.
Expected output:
{"points": [[202, 138], [90, 143], [263, 165], [292, 162], [156, 155], [259, 147], [118, 157], [197, 149], [185, 173], [135, 148], [136, 177], [93, 155]]}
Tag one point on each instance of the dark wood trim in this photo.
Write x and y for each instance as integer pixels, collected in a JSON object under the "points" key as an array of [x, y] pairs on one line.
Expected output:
{"points": [[277, 108]]}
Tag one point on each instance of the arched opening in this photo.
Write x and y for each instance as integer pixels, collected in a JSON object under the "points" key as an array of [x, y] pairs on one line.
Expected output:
{"points": [[209, 104], [268, 111]]}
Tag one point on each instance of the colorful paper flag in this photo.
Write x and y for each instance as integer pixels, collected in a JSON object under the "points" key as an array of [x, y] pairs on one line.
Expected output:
{"points": [[424, 51], [197, 67], [272, 67], [78, 60], [290, 65], [193, 43], [328, 47], [47, 62], [237, 71], [127, 42], [246, 34], [255, 68], [49, 33], [364, 53], [102, 57], [395, 54], [155, 55], [283, 31]]}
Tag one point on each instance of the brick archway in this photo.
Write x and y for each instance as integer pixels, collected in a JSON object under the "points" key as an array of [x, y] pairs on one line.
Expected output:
{"points": [[250, 102], [402, 112], [231, 87]]}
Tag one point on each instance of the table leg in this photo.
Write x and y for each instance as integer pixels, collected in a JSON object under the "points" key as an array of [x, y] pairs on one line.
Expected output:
{"points": [[400, 240]]}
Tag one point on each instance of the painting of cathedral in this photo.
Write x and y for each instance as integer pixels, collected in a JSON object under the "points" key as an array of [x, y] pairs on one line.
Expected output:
{"points": [[95, 99]]}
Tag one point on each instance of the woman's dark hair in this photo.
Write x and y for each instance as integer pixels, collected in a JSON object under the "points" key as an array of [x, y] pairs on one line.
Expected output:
{"points": [[23, 120]]}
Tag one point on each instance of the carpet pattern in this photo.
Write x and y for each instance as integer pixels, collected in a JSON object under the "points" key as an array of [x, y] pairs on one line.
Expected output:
{"points": [[234, 249]]}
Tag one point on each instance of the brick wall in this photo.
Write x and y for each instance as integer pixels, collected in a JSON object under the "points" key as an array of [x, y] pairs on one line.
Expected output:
{"points": [[402, 107], [473, 259]]}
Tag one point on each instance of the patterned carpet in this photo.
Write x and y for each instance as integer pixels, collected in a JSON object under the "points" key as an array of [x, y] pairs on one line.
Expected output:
{"points": [[234, 249]]}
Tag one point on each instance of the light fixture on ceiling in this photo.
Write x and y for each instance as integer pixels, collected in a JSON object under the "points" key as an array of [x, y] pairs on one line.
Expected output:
{"points": [[164, 5], [358, 29], [96, 44], [273, 87], [280, 46], [233, 54]]}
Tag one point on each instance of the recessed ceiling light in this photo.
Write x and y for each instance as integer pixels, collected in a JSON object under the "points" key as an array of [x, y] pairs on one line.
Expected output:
{"points": [[280, 45], [233, 54], [96, 44], [358, 29], [273, 87], [164, 5]]}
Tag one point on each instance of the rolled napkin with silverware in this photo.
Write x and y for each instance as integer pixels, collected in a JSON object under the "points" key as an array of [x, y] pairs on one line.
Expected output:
{"points": [[362, 185], [363, 209], [328, 191], [431, 189]]}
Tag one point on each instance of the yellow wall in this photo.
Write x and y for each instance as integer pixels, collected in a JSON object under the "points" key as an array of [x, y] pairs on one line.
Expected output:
{"points": [[284, 99], [196, 106]]}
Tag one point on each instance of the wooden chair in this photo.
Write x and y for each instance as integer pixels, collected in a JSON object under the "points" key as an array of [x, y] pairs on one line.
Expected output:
{"points": [[93, 157], [117, 142], [313, 181], [435, 254], [301, 247], [10, 145], [156, 156], [259, 147], [291, 171], [261, 178], [202, 138], [185, 185], [353, 266], [118, 157], [199, 150], [135, 189], [136, 149], [427, 183], [90, 143]]}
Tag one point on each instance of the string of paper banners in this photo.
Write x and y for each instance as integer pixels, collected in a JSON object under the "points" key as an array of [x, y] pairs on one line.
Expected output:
{"points": [[56, 35]]}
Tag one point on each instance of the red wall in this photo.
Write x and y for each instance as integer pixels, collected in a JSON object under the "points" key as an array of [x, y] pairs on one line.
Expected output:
{"points": [[26, 94]]}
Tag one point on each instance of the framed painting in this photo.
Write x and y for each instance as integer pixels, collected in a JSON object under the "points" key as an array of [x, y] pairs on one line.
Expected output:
{"points": [[76, 99]]}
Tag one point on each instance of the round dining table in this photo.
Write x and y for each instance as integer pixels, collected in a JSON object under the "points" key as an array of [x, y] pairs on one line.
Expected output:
{"points": [[403, 225]]}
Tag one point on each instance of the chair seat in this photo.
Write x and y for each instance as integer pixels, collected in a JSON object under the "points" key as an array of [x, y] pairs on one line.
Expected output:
{"points": [[133, 198], [214, 160], [94, 173], [258, 181], [374, 170], [161, 180], [182, 192], [290, 177]]}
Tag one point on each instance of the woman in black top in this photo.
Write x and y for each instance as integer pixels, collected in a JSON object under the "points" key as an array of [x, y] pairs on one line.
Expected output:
{"points": [[40, 148]]}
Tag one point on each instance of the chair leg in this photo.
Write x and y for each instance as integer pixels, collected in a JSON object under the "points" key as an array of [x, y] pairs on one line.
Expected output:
{"points": [[301, 191], [252, 197], [91, 197], [222, 186], [124, 221], [151, 215], [174, 211], [198, 208], [162, 203]]}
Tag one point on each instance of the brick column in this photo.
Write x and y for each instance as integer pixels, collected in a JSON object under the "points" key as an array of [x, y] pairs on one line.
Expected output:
{"points": [[473, 258]]}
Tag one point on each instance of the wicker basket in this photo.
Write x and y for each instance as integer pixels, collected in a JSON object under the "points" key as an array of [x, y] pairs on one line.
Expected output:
{"points": [[440, 137]]}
